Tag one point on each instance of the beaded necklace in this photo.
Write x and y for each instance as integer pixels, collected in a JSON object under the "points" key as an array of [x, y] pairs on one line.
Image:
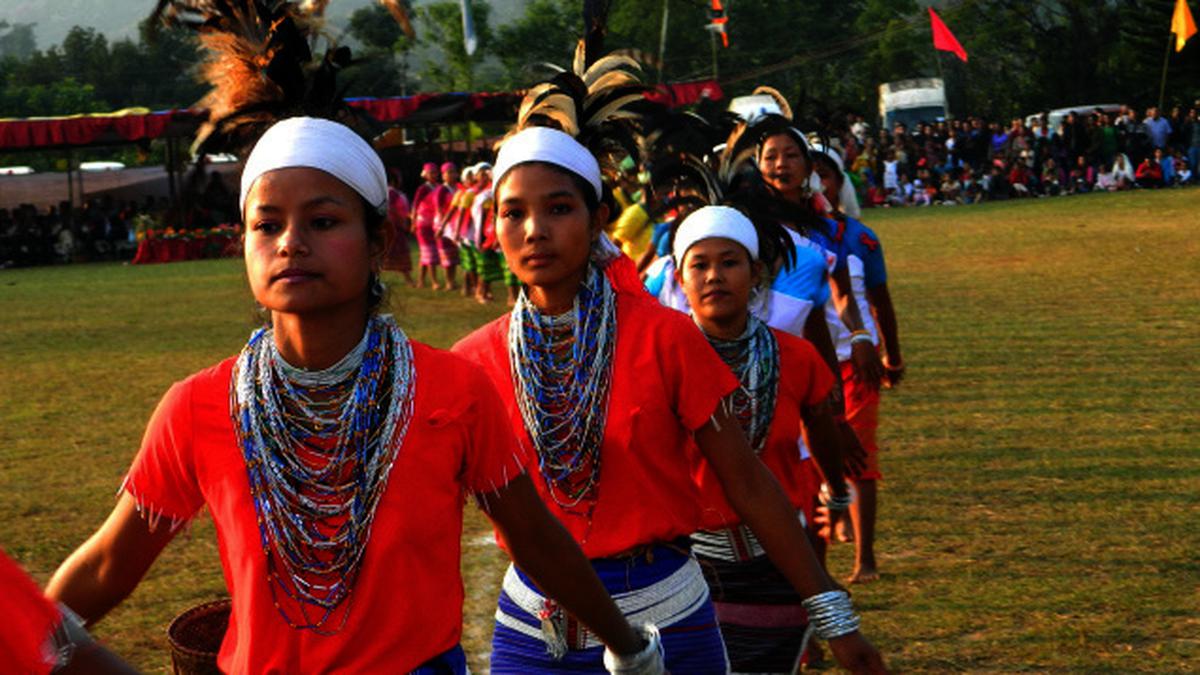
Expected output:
{"points": [[563, 370], [754, 359], [318, 448]]}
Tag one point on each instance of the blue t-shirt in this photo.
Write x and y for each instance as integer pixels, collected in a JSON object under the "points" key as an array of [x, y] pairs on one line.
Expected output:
{"points": [[661, 239], [862, 242], [806, 278]]}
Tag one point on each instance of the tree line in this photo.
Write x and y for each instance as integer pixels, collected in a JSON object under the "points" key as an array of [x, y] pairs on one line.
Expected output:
{"points": [[828, 56]]}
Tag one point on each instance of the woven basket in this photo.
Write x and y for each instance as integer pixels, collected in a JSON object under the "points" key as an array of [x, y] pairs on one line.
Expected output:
{"points": [[196, 636]]}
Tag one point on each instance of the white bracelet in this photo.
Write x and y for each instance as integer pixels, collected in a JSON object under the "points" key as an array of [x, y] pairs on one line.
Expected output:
{"points": [[649, 661], [862, 337]]}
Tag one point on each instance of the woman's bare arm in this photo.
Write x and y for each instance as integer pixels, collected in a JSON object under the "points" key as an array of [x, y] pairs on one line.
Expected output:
{"points": [[762, 505], [108, 566], [544, 550]]}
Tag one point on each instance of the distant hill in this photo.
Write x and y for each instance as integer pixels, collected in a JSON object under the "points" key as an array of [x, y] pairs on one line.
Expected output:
{"points": [[117, 19]]}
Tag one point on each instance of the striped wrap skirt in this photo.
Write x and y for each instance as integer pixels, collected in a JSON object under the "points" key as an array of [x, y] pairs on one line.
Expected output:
{"points": [[662, 585], [762, 620]]}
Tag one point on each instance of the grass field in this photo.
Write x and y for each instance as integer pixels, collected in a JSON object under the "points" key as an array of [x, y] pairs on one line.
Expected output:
{"points": [[1041, 508]]}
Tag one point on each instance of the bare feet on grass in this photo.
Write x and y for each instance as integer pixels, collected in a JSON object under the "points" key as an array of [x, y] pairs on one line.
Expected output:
{"points": [[863, 574]]}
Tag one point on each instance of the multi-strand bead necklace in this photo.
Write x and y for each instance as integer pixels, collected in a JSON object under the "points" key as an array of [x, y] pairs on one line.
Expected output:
{"points": [[318, 448], [754, 359], [563, 370]]}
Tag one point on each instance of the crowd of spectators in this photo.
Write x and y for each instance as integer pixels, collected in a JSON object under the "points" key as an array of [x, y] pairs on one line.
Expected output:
{"points": [[965, 161], [103, 228], [959, 161]]}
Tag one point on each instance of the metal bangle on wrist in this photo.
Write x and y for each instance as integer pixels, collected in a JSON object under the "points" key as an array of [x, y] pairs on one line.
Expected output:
{"points": [[649, 661], [831, 614], [834, 502]]}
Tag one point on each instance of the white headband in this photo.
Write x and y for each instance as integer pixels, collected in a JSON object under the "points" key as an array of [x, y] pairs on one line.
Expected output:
{"points": [[318, 144], [847, 196], [543, 144], [715, 221]]}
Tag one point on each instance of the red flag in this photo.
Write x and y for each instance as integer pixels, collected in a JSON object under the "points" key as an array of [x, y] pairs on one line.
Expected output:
{"points": [[943, 39]]}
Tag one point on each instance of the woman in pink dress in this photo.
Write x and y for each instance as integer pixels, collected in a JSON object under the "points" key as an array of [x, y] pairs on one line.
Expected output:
{"points": [[424, 212]]}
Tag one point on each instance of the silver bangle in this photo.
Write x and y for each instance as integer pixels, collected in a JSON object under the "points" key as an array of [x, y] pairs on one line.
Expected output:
{"points": [[831, 614], [862, 337], [649, 661], [833, 502], [68, 636]]}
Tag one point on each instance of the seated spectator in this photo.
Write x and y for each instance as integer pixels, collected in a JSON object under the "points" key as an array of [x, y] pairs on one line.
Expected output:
{"points": [[972, 189], [1019, 179], [951, 190], [1166, 165], [1182, 169], [1082, 177], [1052, 179], [997, 187], [1149, 174], [1122, 172], [1106, 180]]}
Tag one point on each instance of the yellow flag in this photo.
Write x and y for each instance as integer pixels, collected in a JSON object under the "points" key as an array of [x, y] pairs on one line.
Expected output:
{"points": [[1182, 24]]}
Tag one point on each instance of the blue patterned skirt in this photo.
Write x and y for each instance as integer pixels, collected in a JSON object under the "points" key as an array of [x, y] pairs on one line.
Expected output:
{"points": [[663, 586]]}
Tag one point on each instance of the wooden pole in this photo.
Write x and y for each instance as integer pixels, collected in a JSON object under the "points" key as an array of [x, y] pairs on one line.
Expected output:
{"points": [[662, 40], [595, 26], [1162, 88]]}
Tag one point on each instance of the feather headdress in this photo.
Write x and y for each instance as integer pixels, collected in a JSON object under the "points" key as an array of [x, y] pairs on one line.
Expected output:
{"points": [[597, 105], [686, 170], [264, 65]]}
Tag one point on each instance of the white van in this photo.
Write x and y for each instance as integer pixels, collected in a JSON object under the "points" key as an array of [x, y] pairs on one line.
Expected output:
{"points": [[1056, 116]]}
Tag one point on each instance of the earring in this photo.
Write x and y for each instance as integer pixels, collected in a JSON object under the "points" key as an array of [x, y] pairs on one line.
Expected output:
{"points": [[378, 288]]}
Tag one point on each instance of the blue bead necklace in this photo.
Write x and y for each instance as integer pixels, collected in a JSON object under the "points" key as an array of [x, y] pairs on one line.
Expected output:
{"points": [[318, 448], [563, 370]]}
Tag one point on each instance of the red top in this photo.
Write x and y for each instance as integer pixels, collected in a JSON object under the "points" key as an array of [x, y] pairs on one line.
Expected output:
{"points": [[29, 620], [804, 380], [406, 606], [666, 383]]}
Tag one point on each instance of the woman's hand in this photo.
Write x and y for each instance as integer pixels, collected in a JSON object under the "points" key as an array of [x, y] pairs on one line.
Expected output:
{"points": [[854, 653], [867, 365], [892, 374]]}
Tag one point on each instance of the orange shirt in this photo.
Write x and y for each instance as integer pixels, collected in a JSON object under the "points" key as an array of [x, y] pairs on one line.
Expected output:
{"points": [[666, 383], [406, 606], [804, 380], [30, 619]]}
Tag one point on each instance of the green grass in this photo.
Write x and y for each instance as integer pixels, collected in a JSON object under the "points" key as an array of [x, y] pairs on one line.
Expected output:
{"points": [[1042, 475]]}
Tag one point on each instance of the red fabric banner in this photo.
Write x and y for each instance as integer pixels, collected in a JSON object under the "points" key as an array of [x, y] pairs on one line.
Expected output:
{"points": [[686, 93], [943, 39]]}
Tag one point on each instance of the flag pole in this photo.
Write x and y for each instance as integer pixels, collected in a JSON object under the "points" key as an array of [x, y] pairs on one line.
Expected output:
{"points": [[1162, 88]]}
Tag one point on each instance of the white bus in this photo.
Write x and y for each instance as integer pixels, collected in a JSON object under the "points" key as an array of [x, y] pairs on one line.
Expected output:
{"points": [[911, 102]]}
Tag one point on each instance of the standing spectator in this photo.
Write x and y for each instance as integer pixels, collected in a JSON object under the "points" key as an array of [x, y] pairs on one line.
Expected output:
{"points": [[1157, 128], [1194, 145], [1108, 141]]}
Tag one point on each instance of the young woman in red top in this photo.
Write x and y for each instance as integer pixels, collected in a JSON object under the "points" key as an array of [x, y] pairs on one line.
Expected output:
{"points": [[612, 390], [783, 397], [333, 453]]}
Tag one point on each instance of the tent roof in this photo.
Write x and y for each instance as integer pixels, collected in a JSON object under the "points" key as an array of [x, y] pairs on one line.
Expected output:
{"points": [[136, 124]]}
